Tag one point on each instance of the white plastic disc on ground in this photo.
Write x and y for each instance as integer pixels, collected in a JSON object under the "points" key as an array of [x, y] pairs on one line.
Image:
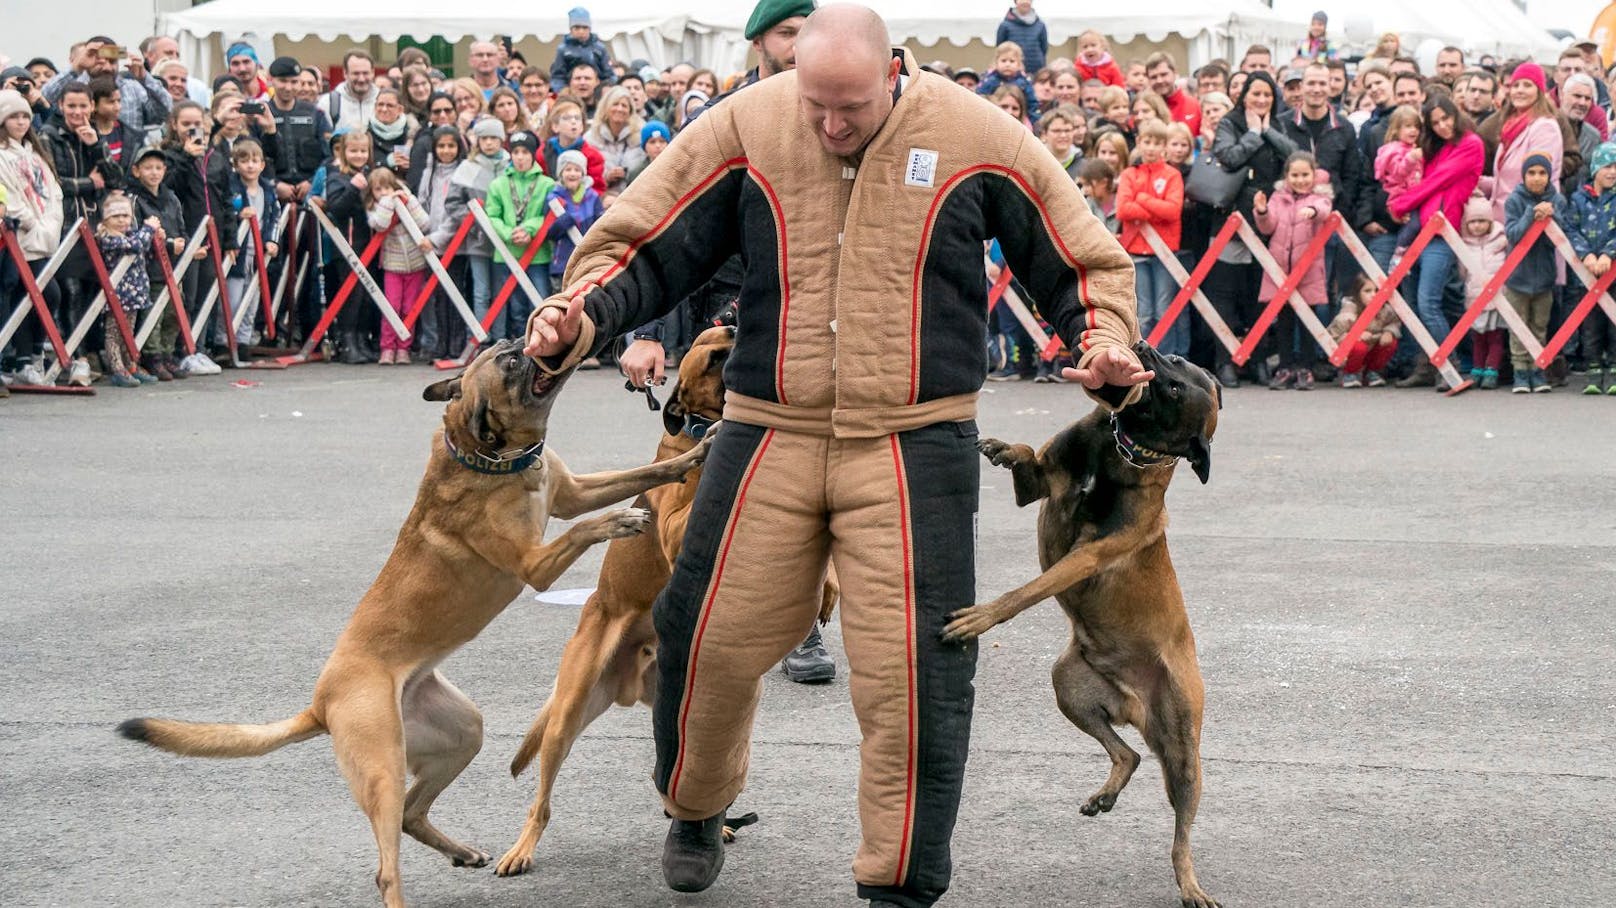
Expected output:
{"points": [[565, 597]]}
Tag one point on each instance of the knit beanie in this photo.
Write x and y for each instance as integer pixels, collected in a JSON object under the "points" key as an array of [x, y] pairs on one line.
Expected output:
{"points": [[1478, 209], [1604, 156], [1532, 73], [571, 156], [488, 127], [524, 139], [578, 16], [659, 128], [769, 13], [12, 103], [1537, 159]]}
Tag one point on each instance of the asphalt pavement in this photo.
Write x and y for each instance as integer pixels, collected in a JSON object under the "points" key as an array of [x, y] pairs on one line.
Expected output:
{"points": [[1403, 605]]}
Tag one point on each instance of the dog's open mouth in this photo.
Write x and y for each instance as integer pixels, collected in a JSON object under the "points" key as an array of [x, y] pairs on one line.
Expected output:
{"points": [[542, 381]]}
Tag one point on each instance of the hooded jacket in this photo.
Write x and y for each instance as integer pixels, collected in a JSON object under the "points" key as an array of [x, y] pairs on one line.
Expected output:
{"points": [[33, 197], [582, 211], [399, 253], [1290, 234], [527, 189], [864, 301], [165, 206], [471, 180], [1032, 36], [1590, 221], [1488, 252], [1538, 270], [595, 161], [1450, 176]]}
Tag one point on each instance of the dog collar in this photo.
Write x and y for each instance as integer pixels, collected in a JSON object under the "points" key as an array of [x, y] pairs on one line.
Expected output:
{"points": [[696, 426], [1137, 454], [502, 465]]}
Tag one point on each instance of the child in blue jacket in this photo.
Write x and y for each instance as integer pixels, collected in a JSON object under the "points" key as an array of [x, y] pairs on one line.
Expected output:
{"points": [[582, 204], [1590, 225], [1530, 287]]}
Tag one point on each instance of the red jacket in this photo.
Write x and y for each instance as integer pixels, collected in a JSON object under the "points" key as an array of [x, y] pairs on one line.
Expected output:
{"points": [[1107, 72], [1153, 193], [1185, 109]]}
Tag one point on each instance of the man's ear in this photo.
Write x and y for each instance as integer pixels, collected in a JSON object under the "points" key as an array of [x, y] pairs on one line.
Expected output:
{"points": [[673, 413], [448, 389]]}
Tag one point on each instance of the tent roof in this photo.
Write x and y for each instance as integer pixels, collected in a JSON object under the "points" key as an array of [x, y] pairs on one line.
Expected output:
{"points": [[1491, 26], [961, 21]]}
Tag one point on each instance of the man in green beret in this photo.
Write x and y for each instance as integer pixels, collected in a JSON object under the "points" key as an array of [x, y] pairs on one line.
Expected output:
{"points": [[773, 32]]}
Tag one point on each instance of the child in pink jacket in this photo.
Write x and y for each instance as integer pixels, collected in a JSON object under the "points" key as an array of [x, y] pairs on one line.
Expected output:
{"points": [[1399, 165], [1295, 214], [1488, 248]]}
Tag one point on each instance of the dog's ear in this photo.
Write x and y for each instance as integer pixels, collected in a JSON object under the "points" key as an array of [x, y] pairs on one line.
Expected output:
{"points": [[448, 389], [673, 413], [1200, 457], [716, 358]]}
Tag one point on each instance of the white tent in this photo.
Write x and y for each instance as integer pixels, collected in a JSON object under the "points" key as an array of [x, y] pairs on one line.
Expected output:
{"points": [[1208, 29], [1478, 26], [708, 30]]}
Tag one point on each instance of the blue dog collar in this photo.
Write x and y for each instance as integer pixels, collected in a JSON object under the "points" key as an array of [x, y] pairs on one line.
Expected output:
{"points": [[494, 466], [696, 426]]}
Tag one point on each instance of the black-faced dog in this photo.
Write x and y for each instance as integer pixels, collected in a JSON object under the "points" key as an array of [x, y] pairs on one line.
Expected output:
{"points": [[1102, 545]]}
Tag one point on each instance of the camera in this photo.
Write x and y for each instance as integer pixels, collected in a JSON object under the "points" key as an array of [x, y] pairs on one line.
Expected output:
{"points": [[194, 132], [252, 108], [110, 52]]}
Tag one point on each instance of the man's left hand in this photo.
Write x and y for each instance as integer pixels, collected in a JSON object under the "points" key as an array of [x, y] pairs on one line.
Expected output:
{"points": [[1111, 367]]}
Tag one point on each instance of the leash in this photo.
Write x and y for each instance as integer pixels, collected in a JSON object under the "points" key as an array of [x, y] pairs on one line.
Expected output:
{"points": [[499, 465], [1136, 454], [650, 399]]}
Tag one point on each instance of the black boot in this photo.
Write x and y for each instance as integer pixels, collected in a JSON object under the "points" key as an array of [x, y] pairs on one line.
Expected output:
{"points": [[350, 353], [693, 854], [368, 346], [810, 662]]}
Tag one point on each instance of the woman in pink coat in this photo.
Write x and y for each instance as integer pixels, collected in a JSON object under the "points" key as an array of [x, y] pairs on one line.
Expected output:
{"points": [[1529, 126], [1453, 159], [1293, 217]]}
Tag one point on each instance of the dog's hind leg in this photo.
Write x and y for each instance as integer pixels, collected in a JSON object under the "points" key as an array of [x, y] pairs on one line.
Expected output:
{"points": [[443, 731], [367, 735], [1173, 734], [1091, 702], [576, 700]]}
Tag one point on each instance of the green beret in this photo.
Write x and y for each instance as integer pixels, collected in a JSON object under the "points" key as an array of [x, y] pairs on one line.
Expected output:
{"points": [[770, 13]]}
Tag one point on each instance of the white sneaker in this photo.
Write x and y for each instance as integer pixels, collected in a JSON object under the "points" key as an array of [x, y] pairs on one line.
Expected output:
{"points": [[30, 374], [199, 364], [79, 373]]}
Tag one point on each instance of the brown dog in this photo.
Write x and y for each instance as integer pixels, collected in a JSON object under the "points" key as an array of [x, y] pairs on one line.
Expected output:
{"points": [[611, 658], [473, 540], [1102, 544]]}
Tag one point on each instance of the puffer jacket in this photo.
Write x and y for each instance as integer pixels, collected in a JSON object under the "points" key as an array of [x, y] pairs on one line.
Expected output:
{"points": [[582, 211], [470, 183], [1384, 322], [864, 302], [33, 197], [1033, 38], [400, 254], [165, 206], [1488, 252], [1590, 221], [1290, 234], [75, 162]]}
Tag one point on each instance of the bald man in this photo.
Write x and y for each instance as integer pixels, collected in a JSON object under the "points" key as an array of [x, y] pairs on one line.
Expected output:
{"points": [[849, 432]]}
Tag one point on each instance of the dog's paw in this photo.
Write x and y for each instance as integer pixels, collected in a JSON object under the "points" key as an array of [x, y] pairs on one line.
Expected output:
{"points": [[999, 453], [516, 862], [1193, 896], [470, 857], [617, 524], [968, 624], [1100, 803]]}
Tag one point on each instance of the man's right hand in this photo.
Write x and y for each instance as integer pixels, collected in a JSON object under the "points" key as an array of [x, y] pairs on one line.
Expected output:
{"points": [[1374, 229], [644, 361], [554, 330]]}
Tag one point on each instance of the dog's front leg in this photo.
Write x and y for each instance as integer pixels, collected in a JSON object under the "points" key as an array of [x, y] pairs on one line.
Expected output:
{"points": [[539, 563], [572, 495], [1082, 562]]}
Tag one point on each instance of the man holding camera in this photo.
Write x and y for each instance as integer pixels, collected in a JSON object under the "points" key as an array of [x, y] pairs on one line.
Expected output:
{"points": [[144, 101]]}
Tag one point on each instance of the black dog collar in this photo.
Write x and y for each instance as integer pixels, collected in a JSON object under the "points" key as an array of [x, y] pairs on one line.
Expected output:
{"points": [[494, 466], [1137, 454], [696, 426]]}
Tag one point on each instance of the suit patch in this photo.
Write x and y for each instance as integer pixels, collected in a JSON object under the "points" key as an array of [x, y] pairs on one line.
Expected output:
{"points": [[922, 168]]}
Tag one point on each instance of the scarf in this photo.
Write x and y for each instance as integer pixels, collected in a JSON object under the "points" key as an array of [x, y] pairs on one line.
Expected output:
{"points": [[1513, 127], [477, 171], [32, 168], [1096, 64], [389, 133], [1029, 19]]}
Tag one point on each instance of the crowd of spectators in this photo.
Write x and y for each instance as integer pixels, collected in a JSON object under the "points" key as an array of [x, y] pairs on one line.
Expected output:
{"points": [[132, 144]]}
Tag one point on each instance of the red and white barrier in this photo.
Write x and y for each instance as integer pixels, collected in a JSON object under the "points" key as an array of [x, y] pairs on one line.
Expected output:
{"points": [[1598, 295], [440, 275], [170, 294], [34, 301], [358, 274], [518, 273]]}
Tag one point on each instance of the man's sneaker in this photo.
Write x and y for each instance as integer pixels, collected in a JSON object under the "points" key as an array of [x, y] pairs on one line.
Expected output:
{"points": [[198, 363], [1351, 380], [1540, 382], [693, 853], [79, 373], [1523, 382], [1375, 380], [30, 374], [1489, 379], [1281, 380], [1008, 373], [142, 376], [1304, 379], [122, 379], [810, 662]]}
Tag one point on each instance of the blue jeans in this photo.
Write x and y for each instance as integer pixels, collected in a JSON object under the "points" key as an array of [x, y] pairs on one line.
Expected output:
{"points": [[1155, 288], [482, 279], [1381, 249], [1436, 266], [512, 321]]}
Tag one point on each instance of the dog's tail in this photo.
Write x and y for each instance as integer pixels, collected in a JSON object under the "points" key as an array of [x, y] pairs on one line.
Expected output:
{"points": [[530, 743], [202, 739]]}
